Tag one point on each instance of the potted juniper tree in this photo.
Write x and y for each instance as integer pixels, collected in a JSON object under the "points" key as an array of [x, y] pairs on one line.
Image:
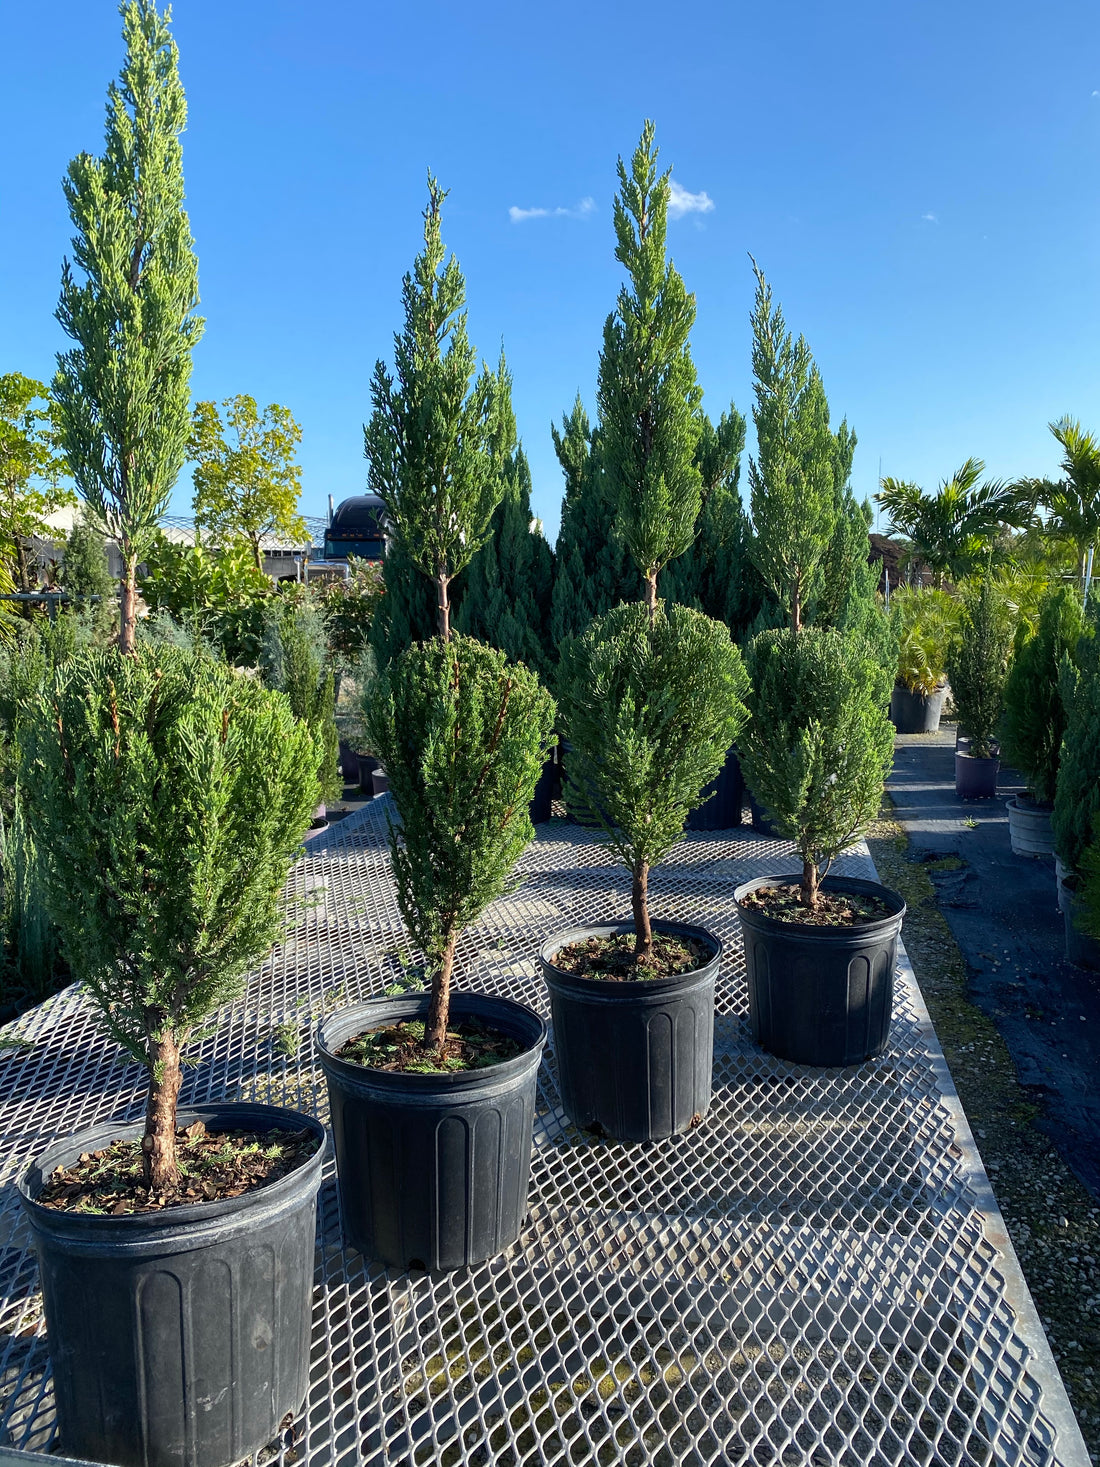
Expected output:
{"points": [[433, 1094], [1033, 719], [169, 796], [925, 623], [976, 668], [651, 700], [820, 950], [294, 658]]}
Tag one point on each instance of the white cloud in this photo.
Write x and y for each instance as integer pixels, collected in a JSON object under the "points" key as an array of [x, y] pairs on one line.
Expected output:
{"points": [[1096, 94], [680, 202], [520, 216], [931, 218]]}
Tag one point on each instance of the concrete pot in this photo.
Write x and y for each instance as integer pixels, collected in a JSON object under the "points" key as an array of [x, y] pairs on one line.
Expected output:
{"points": [[1029, 828]]}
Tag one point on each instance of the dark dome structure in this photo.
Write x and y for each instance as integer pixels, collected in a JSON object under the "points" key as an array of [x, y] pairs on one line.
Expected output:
{"points": [[357, 528]]}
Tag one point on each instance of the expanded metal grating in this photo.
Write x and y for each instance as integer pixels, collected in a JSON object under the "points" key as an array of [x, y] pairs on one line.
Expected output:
{"points": [[816, 1274]]}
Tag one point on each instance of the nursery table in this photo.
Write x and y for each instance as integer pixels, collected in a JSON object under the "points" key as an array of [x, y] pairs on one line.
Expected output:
{"points": [[818, 1273]]}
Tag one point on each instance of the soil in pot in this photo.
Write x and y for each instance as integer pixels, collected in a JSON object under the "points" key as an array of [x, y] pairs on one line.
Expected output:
{"points": [[821, 994], [634, 1055], [397, 1048], [179, 1336], [614, 960], [433, 1165]]}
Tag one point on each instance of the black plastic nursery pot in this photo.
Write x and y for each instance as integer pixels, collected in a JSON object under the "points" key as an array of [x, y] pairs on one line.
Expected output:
{"points": [[543, 798], [179, 1338], [916, 713], [433, 1168], [634, 1058], [367, 765], [722, 799], [821, 995], [975, 779]]}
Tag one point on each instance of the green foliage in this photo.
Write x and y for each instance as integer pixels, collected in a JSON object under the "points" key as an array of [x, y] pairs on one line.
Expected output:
{"points": [[428, 442], [1033, 721], [169, 797], [955, 530], [85, 573], [1073, 503], [593, 569], [926, 624], [32, 952], [848, 580], [1077, 793], [30, 471], [1089, 887], [715, 574], [507, 587], [648, 395], [793, 479], [978, 663], [650, 710], [247, 484], [122, 391], [462, 734], [295, 661], [350, 607], [819, 743], [217, 595], [407, 612]]}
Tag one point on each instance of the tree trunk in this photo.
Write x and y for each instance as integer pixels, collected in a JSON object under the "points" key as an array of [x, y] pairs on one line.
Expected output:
{"points": [[158, 1145], [811, 886], [443, 605], [651, 596], [796, 607], [24, 569], [127, 611], [256, 553], [439, 1011], [639, 900]]}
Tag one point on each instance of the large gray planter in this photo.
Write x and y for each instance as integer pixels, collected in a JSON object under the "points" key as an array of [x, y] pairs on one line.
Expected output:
{"points": [[1080, 947], [1029, 828], [916, 713]]}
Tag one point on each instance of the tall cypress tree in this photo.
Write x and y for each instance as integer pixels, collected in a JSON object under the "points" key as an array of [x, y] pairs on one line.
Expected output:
{"points": [[648, 394], [504, 595], [593, 569], [793, 477], [848, 580], [122, 391]]}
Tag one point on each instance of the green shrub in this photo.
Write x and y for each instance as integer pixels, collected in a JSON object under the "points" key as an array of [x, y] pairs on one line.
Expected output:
{"points": [[978, 663], [31, 958], [1077, 789], [650, 706], [926, 624], [462, 734], [295, 662], [819, 742], [219, 596], [1033, 721], [169, 797]]}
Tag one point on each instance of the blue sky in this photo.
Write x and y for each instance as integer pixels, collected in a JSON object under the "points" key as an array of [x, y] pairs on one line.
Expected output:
{"points": [[918, 181]]}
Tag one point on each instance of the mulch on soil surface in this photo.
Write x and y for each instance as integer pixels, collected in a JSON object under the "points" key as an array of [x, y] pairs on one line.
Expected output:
{"points": [[613, 958], [836, 908], [213, 1167], [398, 1047]]}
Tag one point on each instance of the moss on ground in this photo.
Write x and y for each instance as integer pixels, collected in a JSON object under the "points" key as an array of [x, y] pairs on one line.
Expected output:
{"points": [[1053, 1220]]}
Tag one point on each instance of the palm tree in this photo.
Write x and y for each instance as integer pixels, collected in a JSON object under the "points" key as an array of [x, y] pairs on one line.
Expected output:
{"points": [[953, 530], [1074, 500]]}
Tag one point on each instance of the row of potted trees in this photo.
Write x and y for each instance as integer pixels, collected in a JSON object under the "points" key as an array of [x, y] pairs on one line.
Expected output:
{"points": [[172, 794]]}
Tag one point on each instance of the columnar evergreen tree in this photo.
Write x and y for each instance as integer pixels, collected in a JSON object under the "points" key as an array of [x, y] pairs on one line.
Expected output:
{"points": [[295, 662], [651, 698], [978, 663], [593, 569], [1077, 793], [247, 483], [793, 477], [428, 440], [122, 390], [506, 589], [461, 732], [648, 394]]}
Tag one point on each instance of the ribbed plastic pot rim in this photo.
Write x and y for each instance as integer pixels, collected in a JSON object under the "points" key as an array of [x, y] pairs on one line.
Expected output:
{"points": [[854, 885], [345, 1024], [191, 1216], [627, 987]]}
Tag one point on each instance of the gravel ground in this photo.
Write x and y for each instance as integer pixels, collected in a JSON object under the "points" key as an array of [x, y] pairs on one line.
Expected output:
{"points": [[1052, 1218]]}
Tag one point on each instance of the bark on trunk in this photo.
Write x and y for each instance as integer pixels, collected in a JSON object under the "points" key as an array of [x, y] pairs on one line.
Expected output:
{"points": [[158, 1145], [796, 609], [639, 900], [811, 883], [439, 1011], [443, 606], [651, 597], [127, 611]]}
